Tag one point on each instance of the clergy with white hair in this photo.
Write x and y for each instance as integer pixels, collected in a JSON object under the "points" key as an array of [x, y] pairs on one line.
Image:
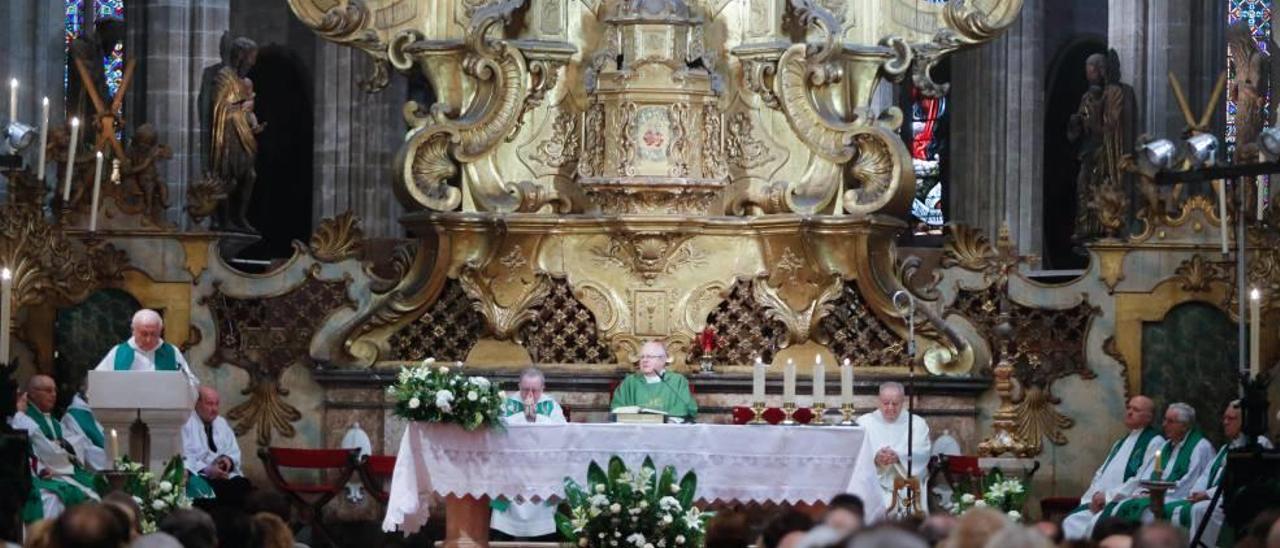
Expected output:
{"points": [[887, 433], [60, 479], [1126, 458], [528, 520], [85, 434], [146, 350]]}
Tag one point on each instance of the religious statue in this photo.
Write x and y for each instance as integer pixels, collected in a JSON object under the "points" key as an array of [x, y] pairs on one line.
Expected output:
{"points": [[1103, 129], [141, 175], [230, 130]]}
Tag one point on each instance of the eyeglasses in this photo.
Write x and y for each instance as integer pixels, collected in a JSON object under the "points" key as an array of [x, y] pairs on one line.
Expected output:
{"points": [[652, 357]]}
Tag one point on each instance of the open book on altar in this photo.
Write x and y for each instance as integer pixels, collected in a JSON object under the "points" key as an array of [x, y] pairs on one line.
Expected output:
{"points": [[637, 414]]}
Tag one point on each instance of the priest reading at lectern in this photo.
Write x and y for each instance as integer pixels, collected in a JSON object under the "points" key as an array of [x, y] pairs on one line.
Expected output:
{"points": [[655, 388], [146, 351]]}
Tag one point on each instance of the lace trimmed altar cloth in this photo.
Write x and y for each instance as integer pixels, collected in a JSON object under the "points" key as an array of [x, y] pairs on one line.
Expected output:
{"points": [[530, 461]]}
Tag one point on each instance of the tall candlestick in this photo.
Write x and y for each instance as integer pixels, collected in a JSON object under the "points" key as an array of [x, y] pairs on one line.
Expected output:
{"points": [[1222, 213], [71, 159], [44, 138], [1255, 331], [1262, 187], [6, 290], [846, 382], [97, 187], [114, 449], [789, 381], [819, 381], [13, 99], [757, 381]]}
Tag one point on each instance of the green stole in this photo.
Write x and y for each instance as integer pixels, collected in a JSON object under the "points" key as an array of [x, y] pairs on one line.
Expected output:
{"points": [[166, 357], [84, 419], [1132, 509], [516, 407], [1136, 455], [1180, 510], [70, 495], [50, 428]]}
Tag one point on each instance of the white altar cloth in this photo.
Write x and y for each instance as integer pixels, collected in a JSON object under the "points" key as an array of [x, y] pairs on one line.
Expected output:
{"points": [[529, 462]]}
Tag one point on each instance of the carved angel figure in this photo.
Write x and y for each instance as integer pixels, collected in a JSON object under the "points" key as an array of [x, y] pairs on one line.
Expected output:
{"points": [[231, 130], [142, 175]]}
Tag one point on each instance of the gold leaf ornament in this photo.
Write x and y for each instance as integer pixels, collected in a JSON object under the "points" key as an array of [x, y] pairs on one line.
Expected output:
{"points": [[337, 239]]}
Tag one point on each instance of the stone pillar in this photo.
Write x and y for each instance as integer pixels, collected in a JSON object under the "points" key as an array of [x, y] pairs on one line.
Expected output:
{"points": [[997, 132], [357, 135], [33, 37]]}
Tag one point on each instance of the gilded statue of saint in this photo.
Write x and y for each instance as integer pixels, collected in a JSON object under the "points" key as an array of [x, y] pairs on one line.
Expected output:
{"points": [[1103, 130], [232, 132]]}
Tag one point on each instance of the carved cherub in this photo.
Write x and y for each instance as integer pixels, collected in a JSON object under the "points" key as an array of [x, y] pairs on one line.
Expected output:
{"points": [[141, 173]]}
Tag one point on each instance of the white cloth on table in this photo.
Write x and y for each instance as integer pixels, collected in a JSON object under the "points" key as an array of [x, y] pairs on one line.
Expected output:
{"points": [[145, 360], [882, 433], [733, 463], [529, 519], [94, 457], [1109, 476], [197, 456]]}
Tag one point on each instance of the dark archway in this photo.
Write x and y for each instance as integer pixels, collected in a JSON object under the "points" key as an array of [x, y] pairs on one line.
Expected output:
{"points": [[281, 207], [85, 332], [1066, 85]]}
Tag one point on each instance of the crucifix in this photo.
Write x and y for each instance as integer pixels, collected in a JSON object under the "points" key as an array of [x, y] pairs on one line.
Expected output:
{"points": [[110, 116]]}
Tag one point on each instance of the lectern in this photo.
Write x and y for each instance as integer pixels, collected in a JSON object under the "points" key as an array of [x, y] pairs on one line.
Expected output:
{"points": [[162, 400]]}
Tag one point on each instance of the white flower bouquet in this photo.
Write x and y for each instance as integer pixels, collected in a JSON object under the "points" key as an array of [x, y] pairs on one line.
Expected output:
{"points": [[1001, 493], [430, 392], [633, 508], [157, 497]]}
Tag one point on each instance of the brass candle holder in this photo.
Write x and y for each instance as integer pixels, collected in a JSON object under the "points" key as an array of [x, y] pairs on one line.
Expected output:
{"points": [[757, 410], [846, 414], [789, 410], [819, 414]]}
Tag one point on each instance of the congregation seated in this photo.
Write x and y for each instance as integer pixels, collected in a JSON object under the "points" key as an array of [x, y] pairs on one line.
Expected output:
{"points": [[653, 387], [59, 479], [211, 453], [527, 520]]}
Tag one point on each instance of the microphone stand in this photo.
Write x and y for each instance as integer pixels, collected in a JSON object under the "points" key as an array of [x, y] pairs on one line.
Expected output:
{"points": [[906, 303], [662, 379]]}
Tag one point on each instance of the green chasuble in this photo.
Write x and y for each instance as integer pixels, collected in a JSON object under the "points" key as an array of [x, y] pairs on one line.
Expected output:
{"points": [[1132, 509], [670, 395]]}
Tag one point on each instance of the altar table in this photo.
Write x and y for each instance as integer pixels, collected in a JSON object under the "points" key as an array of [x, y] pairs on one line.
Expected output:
{"points": [[734, 463]]}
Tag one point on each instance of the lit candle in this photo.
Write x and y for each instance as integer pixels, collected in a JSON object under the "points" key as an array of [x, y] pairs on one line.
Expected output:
{"points": [[71, 159], [44, 137], [819, 381], [757, 381], [6, 290], [114, 449], [13, 99], [1159, 464], [789, 381], [1255, 331], [1262, 187], [846, 382], [97, 187], [1222, 213]]}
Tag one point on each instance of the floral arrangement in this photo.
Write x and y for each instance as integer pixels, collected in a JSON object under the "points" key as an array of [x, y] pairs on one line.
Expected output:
{"points": [[633, 508], [155, 498], [999, 493], [435, 393]]}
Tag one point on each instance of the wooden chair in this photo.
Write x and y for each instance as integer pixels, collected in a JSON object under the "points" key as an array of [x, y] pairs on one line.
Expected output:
{"points": [[374, 470], [310, 498]]}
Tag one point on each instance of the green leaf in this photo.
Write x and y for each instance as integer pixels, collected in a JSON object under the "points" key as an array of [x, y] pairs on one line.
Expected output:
{"points": [[665, 481], [574, 493], [688, 486], [565, 526], [596, 476], [616, 469], [653, 478]]}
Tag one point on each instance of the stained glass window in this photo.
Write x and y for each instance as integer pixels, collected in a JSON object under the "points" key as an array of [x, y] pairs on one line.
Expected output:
{"points": [[1257, 14], [80, 20], [75, 22], [928, 145]]}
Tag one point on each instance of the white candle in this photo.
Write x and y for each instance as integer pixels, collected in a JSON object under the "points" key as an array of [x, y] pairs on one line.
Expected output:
{"points": [[44, 137], [789, 381], [846, 382], [1255, 331], [13, 99], [6, 290], [819, 381], [71, 159], [1222, 213], [97, 187], [1262, 198], [114, 449], [757, 381]]}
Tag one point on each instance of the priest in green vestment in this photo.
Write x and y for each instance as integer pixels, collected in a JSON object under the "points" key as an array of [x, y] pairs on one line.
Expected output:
{"points": [[60, 480], [655, 388], [1124, 460], [147, 351]]}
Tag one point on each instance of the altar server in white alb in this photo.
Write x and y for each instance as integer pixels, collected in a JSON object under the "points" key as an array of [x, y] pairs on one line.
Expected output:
{"points": [[60, 479], [528, 520], [1126, 457], [85, 434], [146, 351], [887, 434], [210, 451]]}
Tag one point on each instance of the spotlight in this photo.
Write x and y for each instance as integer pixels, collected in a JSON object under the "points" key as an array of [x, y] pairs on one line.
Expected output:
{"points": [[1270, 141], [19, 135], [1202, 150], [1160, 154]]}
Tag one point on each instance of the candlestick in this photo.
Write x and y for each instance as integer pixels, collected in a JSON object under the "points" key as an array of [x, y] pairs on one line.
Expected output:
{"points": [[71, 159], [13, 99], [789, 382], [44, 138], [1159, 464], [1262, 187], [6, 290], [819, 382], [1222, 213], [97, 188], [114, 449], [846, 383], [757, 380], [1255, 331]]}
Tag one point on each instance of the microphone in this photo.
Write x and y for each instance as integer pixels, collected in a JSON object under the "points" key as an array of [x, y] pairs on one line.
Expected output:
{"points": [[662, 379]]}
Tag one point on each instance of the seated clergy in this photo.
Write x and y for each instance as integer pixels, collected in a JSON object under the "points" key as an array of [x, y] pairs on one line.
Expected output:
{"points": [[1126, 457], [1180, 460], [60, 481], [653, 387], [887, 433], [528, 520], [86, 435], [210, 452], [1190, 511], [146, 351]]}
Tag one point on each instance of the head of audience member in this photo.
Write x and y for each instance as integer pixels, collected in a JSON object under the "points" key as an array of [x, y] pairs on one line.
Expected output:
{"points": [[42, 392], [785, 530], [148, 328], [269, 531], [1114, 532], [1138, 412], [1051, 530], [155, 540], [728, 530], [975, 527], [1273, 536], [1232, 421], [887, 537], [124, 501], [892, 395], [532, 383], [40, 535], [653, 358], [844, 513], [89, 526], [1260, 529], [937, 527], [193, 528], [1017, 536], [271, 502], [207, 404], [823, 536], [1179, 418], [1160, 534]]}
